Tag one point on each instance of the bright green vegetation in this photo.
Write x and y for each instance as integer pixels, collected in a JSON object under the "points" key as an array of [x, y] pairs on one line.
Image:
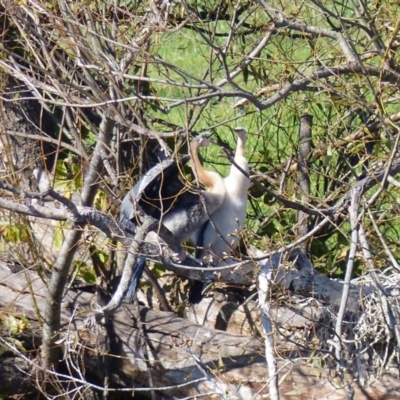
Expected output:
{"points": [[339, 105]]}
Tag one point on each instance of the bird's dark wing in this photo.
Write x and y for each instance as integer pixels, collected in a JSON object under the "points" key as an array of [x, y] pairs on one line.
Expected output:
{"points": [[162, 194], [155, 192], [196, 292], [200, 238]]}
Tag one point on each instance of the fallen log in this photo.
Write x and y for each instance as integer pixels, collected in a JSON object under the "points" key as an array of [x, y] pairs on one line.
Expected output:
{"points": [[156, 351]]}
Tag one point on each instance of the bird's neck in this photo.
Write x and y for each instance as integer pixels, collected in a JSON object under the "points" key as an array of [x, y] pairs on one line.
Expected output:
{"points": [[238, 177], [240, 147], [204, 177]]}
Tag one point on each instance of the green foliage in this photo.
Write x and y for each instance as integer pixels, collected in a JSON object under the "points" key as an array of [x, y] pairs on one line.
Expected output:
{"points": [[13, 325], [68, 177], [13, 232], [84, 272]]}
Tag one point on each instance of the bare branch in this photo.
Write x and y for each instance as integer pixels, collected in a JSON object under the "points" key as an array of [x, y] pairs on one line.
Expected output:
{"points": [[303, 178], [354, 221], [58, 280], [281, 21], [264, 280]]}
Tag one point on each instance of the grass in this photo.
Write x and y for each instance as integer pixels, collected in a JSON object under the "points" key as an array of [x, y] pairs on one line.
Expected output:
{"points": [[273, 133]]}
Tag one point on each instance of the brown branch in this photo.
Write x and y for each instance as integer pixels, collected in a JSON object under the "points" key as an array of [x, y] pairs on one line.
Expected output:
{"points": [[280, 21], [364, 185], [314, 78], [59, 276], [38, 211]]}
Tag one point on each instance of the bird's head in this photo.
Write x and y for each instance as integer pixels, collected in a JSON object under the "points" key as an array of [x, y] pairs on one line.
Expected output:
{"points": [[240, 132], [201, 140]]}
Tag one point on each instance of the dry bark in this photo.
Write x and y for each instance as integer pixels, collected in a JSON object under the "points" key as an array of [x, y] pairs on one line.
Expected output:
{"points": [[165, 348]]}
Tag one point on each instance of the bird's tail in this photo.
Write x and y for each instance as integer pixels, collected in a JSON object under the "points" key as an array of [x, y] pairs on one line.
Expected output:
{"points": [[196, 292], [196, 287], [136, 279]]}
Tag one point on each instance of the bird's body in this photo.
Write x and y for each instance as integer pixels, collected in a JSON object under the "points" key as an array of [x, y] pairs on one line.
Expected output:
{"points": [[162, 194], [230, 217], [156, 194], [221, 234]]}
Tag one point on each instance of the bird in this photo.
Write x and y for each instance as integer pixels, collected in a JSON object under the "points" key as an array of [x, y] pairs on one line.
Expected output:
{"points": [[218, 237], [162, 194]]}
